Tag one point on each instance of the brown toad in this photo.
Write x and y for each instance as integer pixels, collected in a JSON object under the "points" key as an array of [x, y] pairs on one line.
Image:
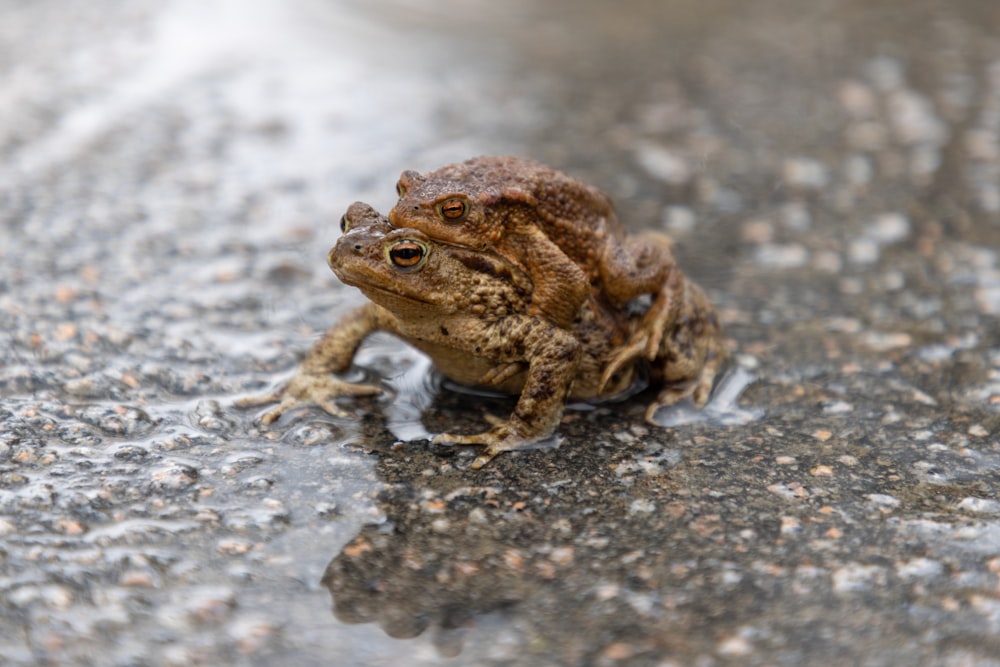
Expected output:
{"points": [[563, 233], [469, 311]]}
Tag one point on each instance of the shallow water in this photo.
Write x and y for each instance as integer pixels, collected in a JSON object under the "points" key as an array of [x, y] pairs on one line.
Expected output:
{"points": [[172, 178]]}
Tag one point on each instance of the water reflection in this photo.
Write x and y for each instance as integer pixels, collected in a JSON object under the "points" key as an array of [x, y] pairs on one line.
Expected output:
{"points": [[537, 561], [645, 551]]}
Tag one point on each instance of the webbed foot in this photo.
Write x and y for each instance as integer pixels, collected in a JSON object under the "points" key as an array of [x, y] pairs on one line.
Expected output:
{"points": [[698, 389], [501, 438], [623, 357], [306, 389]]}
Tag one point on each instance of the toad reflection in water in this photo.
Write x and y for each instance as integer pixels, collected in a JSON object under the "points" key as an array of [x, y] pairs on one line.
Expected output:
{"points": [[494, 313], [469, 569]]}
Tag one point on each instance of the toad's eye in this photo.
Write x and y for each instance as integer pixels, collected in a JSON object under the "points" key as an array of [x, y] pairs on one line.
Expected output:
{"points": [[400, 189], [343, 223], [407, 254], [453, 210]]}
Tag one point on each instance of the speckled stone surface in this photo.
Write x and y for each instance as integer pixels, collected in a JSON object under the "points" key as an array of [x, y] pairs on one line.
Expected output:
{"points": [[172, 176]]}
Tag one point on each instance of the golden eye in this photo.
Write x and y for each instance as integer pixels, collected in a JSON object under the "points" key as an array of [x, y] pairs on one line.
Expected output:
{"points": [[453, 209], [400, 189], [407, 254]]}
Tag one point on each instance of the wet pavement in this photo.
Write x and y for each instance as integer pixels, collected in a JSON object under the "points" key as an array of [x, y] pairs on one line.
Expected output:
{"points": [[172, 175]]}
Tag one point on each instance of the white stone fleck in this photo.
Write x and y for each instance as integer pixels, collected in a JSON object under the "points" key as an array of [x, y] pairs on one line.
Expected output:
{"points": [[782, 255], [979, 505], [837, 408], [863, 251], [663, 164], [988, 299], [642, 506], [855, 577], [977, 431], [679, 218], [919, 568], [882, 500], [804, 173], [889, 228], [735, 647], [879, 341], [913, 119]]}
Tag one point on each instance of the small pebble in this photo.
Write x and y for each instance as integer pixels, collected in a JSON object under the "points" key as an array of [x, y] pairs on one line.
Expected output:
{"points": [[883, 342], [804, 174], [889, 228], [855, 577], [857, 98], [977, 431], [735, 647], [663, 164], [882, 500], [679, 219], [863, 251], [782, 255], [979, 505], [642, 506], [919, 568]]}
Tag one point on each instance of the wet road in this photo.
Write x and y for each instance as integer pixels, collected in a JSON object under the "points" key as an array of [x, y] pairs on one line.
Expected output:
{"points": [[172, 175]]}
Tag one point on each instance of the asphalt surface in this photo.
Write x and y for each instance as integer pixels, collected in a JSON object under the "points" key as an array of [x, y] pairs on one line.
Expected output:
{"points": [[172, 175]]}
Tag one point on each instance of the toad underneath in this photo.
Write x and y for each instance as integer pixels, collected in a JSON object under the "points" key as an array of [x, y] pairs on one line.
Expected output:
{"points": [[470, 310]]}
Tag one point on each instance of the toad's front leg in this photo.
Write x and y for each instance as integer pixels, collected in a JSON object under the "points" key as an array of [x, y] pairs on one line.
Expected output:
{"points": [[315, 380], [552, 355]]}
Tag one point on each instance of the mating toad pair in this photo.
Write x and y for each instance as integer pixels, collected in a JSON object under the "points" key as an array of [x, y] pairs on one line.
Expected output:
{"points": [[514, 276]]}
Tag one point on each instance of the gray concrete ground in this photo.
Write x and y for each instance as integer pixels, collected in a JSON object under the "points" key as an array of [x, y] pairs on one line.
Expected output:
{"points": [[172, 175]]}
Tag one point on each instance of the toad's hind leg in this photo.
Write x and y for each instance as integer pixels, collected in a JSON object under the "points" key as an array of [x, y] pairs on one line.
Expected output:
{"points": [[690, 355], [644, 264], [635, 266], [647, 340]]}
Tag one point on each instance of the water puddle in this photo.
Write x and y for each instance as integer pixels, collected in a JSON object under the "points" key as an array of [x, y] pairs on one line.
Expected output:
{"points": [[722, 409]]}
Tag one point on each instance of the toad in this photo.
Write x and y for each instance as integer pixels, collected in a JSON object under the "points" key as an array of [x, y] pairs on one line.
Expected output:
{"points": [[470, 311], [563, 233]]}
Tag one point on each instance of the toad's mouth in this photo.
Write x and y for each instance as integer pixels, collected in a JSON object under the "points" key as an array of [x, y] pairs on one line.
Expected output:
{"points": [[389, 293]]}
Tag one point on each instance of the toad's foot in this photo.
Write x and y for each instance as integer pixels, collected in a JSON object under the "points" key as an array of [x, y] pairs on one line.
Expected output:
{"points": [[698, 389], [662, 315], [622, 358], [305, 389], [501, 438]]}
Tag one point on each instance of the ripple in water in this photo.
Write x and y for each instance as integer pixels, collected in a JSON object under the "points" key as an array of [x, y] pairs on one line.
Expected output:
{"points": [[414, 385], [722, 408], [409, 373]]}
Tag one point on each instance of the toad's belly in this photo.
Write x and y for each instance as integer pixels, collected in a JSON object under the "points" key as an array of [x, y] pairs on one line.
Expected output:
{"points": [[468, 369]]}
